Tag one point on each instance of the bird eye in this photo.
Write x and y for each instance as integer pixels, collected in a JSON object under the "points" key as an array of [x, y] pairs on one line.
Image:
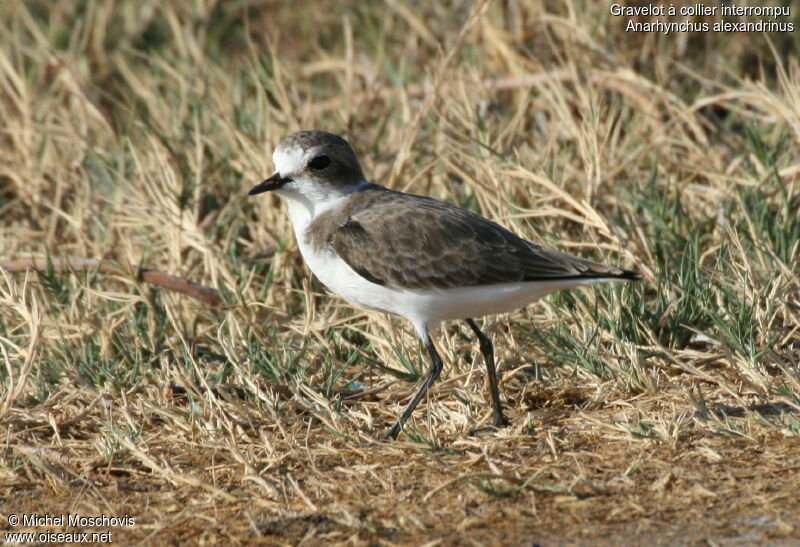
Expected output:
{"points": [[319, 163]]}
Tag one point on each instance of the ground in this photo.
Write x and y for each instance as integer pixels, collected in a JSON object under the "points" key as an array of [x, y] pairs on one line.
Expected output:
{"points": [[167, 357]]}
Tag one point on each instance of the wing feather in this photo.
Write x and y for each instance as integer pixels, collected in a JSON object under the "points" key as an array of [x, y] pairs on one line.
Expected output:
{"points": [[403, 240]]}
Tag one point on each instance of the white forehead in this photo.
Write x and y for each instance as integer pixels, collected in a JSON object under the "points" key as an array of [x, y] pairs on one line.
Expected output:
{"points": [[291, 159]]}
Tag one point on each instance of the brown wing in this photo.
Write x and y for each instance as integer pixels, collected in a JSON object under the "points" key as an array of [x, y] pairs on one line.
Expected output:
{"points": [[402, 240]]}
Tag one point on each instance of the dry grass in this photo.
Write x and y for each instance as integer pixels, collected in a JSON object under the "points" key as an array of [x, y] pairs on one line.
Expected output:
{"points": [[665, 412]]}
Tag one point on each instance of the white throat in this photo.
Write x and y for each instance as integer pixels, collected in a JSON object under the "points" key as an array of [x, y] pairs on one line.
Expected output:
{"points": [[307, 199]]}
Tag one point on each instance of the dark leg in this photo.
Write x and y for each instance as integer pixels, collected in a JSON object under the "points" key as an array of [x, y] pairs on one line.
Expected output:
{"points": [[488, 357], [433, 373]]}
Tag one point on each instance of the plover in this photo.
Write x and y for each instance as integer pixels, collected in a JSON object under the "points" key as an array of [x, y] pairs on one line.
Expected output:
{"points": [[413, 256]]}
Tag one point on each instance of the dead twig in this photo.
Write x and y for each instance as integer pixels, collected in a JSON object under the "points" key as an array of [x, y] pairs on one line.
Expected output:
{"points": [[204, 294]]}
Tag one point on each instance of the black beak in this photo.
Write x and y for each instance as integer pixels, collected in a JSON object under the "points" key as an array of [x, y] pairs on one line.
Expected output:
{"points": [[272, 183]]}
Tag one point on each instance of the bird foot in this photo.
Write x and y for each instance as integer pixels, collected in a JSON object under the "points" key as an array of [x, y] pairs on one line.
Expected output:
{"points": [[500, 421]]}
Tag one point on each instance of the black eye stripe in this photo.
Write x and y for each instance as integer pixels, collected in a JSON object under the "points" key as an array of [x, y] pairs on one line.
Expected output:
{"points": [[319, 163]]}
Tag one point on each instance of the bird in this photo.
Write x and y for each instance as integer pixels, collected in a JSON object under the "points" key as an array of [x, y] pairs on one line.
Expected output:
{"points": [[413, 256]]}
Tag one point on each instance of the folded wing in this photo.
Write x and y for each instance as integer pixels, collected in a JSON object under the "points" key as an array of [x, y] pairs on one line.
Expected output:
{"points": [[419, 242]]}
